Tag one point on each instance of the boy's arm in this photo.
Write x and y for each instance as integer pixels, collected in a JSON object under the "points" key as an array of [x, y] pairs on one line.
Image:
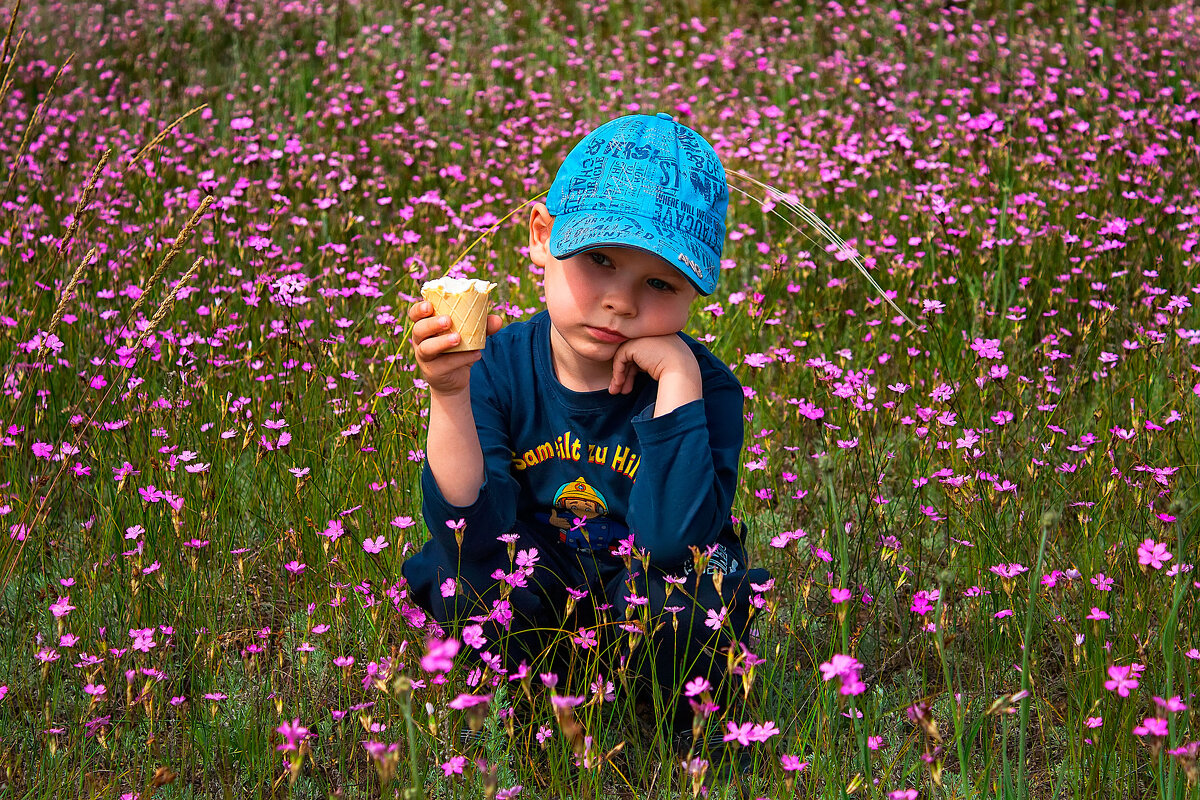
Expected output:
{"points": [[491, 506], [455, 479], [666, 359], [687, 475], [452, 449]]}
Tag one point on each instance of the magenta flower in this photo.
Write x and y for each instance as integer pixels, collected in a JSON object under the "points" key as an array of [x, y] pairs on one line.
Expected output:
{"points": [[838, 666], [52, 342], [439, 655], [763, 732], [465, 701], [375, 545], [756, 360], [920, 604], [454, 766], [62, 606], [792, 763], [293, 733], [566, 701], [151, 494], [1171, 706], [851, 685], [586, 639], [1152, 726], [472, 636], [1122, 680], [1097, 614], [715, 618], [738, 733], [1153, 554], [143, 638], [846, 668], [380, 750]]}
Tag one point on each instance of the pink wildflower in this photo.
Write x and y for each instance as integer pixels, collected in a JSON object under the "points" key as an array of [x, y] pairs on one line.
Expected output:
{"points": [[1153, 554], [1121, 680], [293, 733]]}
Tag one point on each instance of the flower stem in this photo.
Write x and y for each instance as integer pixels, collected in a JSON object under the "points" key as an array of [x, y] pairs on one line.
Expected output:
{"points": [[1049, 520]]}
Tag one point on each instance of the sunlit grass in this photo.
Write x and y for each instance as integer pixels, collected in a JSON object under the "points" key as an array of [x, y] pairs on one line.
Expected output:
{"points": [[977, 508]]}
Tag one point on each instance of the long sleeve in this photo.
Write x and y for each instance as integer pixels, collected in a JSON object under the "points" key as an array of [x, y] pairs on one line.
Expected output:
{"points": [[688, 474], [493, 511]]}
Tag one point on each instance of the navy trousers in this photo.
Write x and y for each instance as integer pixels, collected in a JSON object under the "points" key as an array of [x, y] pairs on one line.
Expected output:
{"points": [[548, 608]]}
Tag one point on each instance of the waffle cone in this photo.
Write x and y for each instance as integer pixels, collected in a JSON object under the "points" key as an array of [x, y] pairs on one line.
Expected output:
{"points": [[468, 314]]}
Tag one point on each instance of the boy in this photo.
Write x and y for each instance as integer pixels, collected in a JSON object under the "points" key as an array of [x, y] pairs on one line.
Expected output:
{"points": [[598, 442]]}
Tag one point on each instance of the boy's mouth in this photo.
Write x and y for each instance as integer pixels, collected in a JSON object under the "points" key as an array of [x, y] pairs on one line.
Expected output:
{"points": [[606, 335]]}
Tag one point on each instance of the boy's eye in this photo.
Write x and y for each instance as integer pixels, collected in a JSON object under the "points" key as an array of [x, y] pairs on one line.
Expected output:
{"points": [[658, 284], [600, 259]]}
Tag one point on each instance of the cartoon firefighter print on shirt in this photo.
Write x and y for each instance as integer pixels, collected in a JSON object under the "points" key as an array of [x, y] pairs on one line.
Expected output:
{"points": [[577, 500]]}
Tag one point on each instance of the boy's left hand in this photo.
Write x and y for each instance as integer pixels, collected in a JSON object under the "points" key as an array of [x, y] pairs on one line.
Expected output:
{"points": [[664, 358]]}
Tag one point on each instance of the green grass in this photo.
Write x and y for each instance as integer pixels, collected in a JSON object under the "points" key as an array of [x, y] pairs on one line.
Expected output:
{"points": [[359, 102]]}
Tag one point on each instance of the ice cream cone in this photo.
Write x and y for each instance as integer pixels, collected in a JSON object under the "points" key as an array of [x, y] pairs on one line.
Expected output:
{"points": [[466, 302]]}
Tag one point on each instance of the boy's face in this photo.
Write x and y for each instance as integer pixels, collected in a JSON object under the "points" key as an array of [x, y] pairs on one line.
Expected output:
{"points": [[601, 298]]}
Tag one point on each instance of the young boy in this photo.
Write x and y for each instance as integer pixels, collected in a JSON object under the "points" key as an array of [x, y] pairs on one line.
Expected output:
{"points": [[595, 441]]}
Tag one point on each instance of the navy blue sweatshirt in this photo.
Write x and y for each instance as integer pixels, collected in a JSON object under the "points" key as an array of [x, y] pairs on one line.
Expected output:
{"points": [[586, 469]]}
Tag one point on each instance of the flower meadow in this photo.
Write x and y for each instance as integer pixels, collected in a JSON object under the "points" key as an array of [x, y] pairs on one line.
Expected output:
{"points": [[976, 492]]}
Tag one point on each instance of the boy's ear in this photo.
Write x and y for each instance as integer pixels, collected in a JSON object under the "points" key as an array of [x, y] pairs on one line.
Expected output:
{"points": [[540, 225]]}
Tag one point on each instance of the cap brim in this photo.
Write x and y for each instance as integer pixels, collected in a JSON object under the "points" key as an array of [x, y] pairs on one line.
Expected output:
{"points": [[587, 230]]}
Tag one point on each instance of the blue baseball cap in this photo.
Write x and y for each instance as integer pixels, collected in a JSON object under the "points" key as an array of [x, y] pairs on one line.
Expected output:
{"points": [[645, 182]]}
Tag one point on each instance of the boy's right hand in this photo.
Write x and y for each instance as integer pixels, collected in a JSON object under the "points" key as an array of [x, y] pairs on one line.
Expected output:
{"points": [[446, 373]]}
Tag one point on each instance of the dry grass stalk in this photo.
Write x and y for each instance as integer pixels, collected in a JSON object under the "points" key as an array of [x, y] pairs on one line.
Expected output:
{"points": [[176, 249], [33, 120], [168, 303], [85, 199], [64, 299], [7, 83], [12, 23], [157, 140], [792, 204]]}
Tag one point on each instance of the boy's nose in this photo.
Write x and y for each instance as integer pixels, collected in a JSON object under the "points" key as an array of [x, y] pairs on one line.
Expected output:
{"points": [[619, 303]]}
